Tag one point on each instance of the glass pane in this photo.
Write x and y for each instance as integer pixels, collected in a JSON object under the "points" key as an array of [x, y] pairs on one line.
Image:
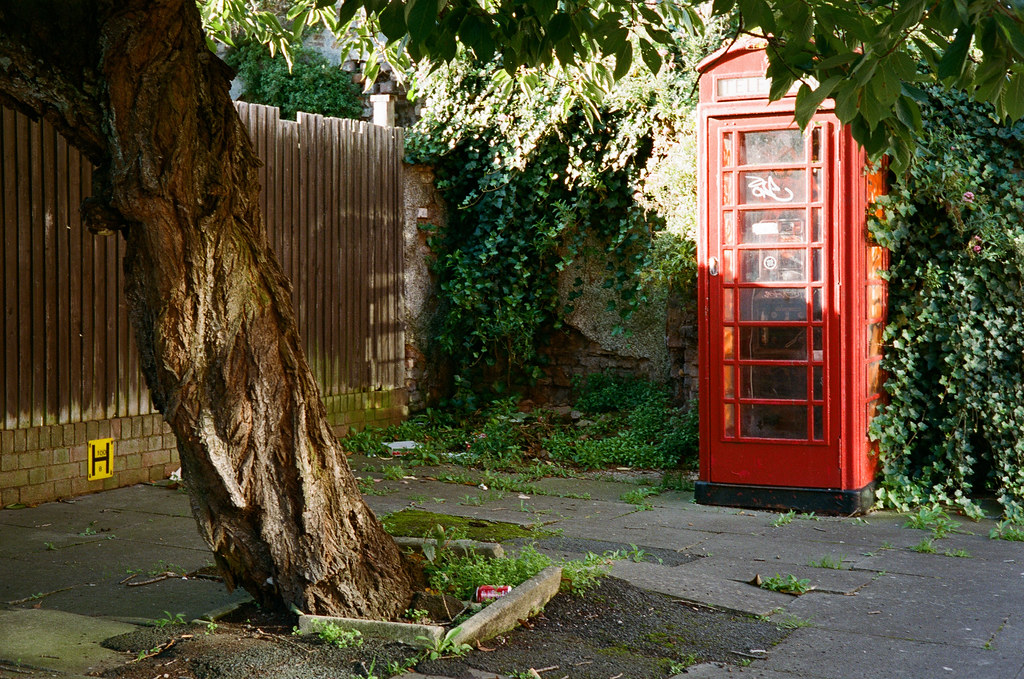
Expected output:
{"points": [[772, 226], [816, 184], [772, 266], [875, 301], [729, 417], [728, 228], [773, 187], [728, 266], [771, 147], [727, 193], [875, 331], [728, 343], [773, 304], [758, 420], [730, 382], [773, 344], [727, 150], [774, 382], [872, 410], [876, 261], [816, 265], [817, 353], [816, 144], [819, 423], [817, 225], [728, 306], [875, 377], [816, 305], [818, 382]]}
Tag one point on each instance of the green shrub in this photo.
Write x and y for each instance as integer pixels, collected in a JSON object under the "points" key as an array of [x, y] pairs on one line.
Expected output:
{"points": [[314, 85]]}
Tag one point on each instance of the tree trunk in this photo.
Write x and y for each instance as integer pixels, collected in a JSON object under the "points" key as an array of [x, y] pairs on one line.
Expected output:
{"points": [[133, 85]]}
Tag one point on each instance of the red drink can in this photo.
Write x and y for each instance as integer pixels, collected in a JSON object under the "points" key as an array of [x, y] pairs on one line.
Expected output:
{"points": [[491, 592]]}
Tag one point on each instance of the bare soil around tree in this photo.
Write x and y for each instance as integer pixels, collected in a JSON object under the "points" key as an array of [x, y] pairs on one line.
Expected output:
{"points": [[613, 630]]}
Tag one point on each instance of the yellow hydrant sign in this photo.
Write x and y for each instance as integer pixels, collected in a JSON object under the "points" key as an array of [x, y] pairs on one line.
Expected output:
{"points": [[101, 459]]}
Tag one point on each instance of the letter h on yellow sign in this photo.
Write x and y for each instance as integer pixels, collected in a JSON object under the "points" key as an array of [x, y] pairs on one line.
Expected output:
{"points": [[101, 459]]}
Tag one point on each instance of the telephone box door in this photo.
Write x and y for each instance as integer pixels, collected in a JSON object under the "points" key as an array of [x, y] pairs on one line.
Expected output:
{"points": [[772, 325]]}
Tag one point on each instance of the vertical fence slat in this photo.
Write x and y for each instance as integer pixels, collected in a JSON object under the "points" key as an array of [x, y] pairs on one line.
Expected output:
{"points": [[50, 274], [23, 135]]}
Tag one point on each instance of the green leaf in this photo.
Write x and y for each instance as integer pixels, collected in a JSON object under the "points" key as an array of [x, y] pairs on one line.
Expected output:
{"points": [[650, 56], [420, 18], [952, 63], [623, 61], [1013, 96], [392, 21], [808, 101]]}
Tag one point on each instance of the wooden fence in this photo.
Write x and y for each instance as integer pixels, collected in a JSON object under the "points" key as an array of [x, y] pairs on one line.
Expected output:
{"points": [[333, 204]]}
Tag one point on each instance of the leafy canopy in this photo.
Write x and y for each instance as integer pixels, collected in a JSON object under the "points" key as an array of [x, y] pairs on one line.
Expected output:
{"points": [[866, 55]]}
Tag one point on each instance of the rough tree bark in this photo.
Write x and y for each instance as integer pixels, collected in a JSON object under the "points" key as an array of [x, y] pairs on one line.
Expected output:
{"points": [[132, 84]]}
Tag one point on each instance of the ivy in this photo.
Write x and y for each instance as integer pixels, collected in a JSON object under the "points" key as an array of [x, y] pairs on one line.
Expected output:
{"points": [[954, 424], [535, 180]]}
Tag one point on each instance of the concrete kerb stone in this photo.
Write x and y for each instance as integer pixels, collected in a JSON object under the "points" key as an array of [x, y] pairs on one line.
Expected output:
{"points": [[491, 550], [522, 602], [418, 636]]}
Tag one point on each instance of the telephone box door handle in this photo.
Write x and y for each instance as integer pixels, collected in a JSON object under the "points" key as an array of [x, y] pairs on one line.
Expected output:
{"points": [[713, 266]]}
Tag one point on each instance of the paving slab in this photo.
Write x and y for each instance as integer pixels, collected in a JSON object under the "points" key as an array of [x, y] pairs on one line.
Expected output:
{"points": [[700, 588], [845, 582], [828, 654], [910, 607], [57, 641]]}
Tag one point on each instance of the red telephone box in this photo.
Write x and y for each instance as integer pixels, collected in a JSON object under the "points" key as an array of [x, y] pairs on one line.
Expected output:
{"points": [[792, 301]]}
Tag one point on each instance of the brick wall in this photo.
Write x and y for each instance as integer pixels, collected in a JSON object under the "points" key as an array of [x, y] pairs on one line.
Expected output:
{"points": [[46, 463]]}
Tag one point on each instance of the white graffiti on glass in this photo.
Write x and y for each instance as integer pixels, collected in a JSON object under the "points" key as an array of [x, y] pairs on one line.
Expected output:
{"points": [[765, 187]]}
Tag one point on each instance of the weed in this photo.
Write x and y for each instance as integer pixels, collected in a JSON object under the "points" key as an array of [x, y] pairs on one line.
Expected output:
{"points": [[50, 547], [887, 545], [828, 561], [792, 622], [784, 518], [90, 529], [787, 584], [460, 575], [638, 496], [679, 666], [415, 614], [446, 647], [398, 667], [170, 619], [926, 546], [934, 519], [335, 635], [745, 662], [368, 486], [958, 553], [472, 501], [860, 521], [393, 472], [1004, 530], [808, 516]]}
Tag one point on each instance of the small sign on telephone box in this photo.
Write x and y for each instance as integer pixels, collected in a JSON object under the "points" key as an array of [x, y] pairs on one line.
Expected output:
{"points": [[101, 459]]}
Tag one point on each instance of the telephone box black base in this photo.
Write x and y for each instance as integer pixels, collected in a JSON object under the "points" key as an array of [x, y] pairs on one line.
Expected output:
{"points": [[817, 500]]}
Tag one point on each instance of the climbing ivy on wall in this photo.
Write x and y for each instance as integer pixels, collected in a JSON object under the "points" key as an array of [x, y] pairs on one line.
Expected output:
{"points": [[534, 179], [954, 425]]}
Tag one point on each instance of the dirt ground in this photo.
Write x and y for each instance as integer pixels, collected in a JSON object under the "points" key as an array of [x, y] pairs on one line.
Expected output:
{"points": [[615, 630]]}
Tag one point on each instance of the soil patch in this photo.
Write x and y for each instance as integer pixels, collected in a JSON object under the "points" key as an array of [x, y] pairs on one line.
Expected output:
{"points": [[615, 629]]}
